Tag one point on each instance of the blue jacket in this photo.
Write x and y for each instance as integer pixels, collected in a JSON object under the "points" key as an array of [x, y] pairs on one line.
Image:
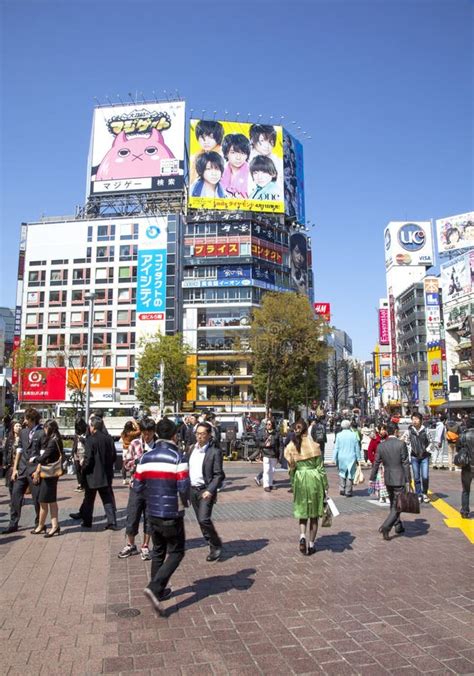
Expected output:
{"points": [[163, 475], [346, 453]]}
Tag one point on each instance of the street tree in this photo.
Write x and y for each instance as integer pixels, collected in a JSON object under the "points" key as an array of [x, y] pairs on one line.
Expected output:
{"points": [[340, 379], [76, 363], [173, 353], [23, 357], [286, 343]]}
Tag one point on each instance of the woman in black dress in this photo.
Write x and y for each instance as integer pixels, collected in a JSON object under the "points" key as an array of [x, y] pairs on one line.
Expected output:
{"points": [[51, 452]]}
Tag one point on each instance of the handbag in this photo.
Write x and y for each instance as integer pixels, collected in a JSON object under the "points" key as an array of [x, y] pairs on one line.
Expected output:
{"points": [[359, 476], [326, 521], [55, 469], [408, 502], [462, 459]]}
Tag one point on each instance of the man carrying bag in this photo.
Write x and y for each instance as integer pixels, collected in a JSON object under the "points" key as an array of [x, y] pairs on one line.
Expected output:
{"points": [[393, 455]]}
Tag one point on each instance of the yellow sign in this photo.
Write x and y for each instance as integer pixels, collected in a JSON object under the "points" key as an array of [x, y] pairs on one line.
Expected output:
{"points": [[435, 376]]}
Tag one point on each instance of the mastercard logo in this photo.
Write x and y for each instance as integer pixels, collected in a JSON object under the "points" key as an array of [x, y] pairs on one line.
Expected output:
{"points": [[403, 259]]}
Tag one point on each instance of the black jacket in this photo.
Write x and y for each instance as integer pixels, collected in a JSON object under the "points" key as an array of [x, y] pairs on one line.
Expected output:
{"points": [[270, 448], [419, 442], [30, 450], [393, 455], [212, 469], [466, 440], [99, 460], [50, 451]]}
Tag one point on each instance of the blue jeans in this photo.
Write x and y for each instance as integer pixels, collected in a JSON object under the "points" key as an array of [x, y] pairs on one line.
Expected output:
{"points": [[421, 474]]}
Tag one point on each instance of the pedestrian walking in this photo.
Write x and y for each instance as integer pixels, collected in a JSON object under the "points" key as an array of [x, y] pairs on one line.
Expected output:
{"points": [[270, 451], [26, 460], [317, 429], [346, 457], [78, 451], [98, 469], [131, 431], [466, 442], [51, 458], [452, 438], [437, 444], [207, 475], [418, 443], [309, 483], [136, 506], [392, 453], [162, 473], [10, 449]]}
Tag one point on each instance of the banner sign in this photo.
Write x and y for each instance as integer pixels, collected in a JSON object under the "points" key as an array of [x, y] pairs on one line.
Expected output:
{"points": [[43, 384], [323, 310], [151, 276], [226, 272], [384, 335], [293, 177], [215, 250], [455, 232], [456, 277], [435, 374], [137, 148], [268, 253], [236, 166]]}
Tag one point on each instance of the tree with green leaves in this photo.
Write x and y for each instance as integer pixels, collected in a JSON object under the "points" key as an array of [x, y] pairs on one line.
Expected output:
{"points": [[286, 342], [174, 354], [23, 357]]}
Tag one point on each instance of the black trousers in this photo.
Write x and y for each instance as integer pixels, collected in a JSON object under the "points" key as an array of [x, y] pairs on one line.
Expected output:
{"points": [[203, 510], [136, 507], [466, 478], [168, 550], [393, 519], [18, 492], [108, 500]]}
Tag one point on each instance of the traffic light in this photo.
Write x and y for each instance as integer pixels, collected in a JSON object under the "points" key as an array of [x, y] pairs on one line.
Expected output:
{"points": [[454, 384]]}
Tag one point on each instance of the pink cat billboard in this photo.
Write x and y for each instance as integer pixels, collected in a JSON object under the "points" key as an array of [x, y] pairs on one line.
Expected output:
{"points": [[137, 148]]}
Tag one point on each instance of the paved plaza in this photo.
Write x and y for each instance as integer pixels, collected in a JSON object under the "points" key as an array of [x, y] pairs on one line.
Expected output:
{"points": [[360, 605]]}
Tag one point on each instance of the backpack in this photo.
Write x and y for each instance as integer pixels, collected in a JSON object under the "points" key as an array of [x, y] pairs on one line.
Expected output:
{"points": [[318, 433]]}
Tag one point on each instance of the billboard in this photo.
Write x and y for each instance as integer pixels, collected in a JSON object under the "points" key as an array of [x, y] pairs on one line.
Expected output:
{"points": [[323, 311], [408, 243], [299, 262], [43, 384], [137, 148], [102, 381], [151, 276], [384, 335], [455, 232], [293, 177], [216, 250], [432, 309], [236, 166], [456, 277], [435, 374]]}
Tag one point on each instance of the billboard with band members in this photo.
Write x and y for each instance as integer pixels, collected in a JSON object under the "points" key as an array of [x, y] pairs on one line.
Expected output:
{"points": [[455, 232], [137, 148], [293, 177], [236, 166]]}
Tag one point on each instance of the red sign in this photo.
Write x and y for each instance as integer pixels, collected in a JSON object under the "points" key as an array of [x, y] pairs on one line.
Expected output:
{"points": [[216, 250], [267, 252], [48, 384], [151, 316], [323, 310], [384, 337]]}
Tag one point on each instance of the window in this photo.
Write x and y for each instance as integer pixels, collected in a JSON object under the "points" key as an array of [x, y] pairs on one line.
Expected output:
{"points": [[53, 319], [55, 340], [121, 362], [78, 339], [34, 276], [123, 317], [125, 339], [128, 252], [105, 233], [58, 277], [54, 297], [31, 319], [33, 298], [101, 275], [99, 317], [124, 296], [77, 297], [128, 231], [77, 318], [122, 384]]}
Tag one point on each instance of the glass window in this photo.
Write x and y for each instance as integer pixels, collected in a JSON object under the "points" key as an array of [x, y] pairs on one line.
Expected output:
{"points": [[124, 272], [34, 276], [123, 316], [31, 318], [122, 384], [245, 249], [33, 298], [75, 339], [101, 273], [122, 361], [76, 296], [76, 317], [56, 275], [78, 274], [53, 317], [123, 294], [54, 296], [99, 316]]}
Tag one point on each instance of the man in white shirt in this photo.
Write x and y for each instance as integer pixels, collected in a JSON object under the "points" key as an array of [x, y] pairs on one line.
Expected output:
{"points": [[206, 474]]}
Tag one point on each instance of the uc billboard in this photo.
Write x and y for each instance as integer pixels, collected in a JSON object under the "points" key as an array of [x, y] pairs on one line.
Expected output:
{"points": [[137, 149], [408, 243]]}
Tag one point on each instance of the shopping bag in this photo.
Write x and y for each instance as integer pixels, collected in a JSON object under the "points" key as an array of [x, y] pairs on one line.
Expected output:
{"points": [[359, 476], [326, 521], [332, 506]]}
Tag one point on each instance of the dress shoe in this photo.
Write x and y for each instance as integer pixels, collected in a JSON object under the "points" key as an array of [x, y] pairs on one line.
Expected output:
{"points": [[56, 531], [399, 529], [38, 532], [10, 529], [76, 516], [86, 525], [384, 532], [311, 550], [267, 490], [302, 545], [111, 526], [165, 594], [214, 554]]}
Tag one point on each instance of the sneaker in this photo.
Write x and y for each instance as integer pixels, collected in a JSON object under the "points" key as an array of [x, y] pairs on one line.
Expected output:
{"points": [[154, 600], [257, 481], [128, 550], [145, 553], [426, 498], [78, 489]]}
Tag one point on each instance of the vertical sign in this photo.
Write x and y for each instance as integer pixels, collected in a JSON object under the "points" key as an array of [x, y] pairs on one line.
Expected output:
{"points": [[384, 338], [19, 297], [393, 331], [151, 277]]}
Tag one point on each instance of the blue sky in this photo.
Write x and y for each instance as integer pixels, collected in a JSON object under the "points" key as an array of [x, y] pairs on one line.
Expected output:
{"points": [[382, 87]]}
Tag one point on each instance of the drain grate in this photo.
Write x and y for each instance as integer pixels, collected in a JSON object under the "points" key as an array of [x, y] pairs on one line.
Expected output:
{"points": [[129, 612]]}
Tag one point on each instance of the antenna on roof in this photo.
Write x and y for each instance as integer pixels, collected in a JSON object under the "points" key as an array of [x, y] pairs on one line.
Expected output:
{"points": [[109, 101], [98, 102], [131, 97], [120, 99]]}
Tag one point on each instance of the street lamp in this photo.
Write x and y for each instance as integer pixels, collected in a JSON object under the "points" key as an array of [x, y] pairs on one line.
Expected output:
{"points": [[90, 297]]}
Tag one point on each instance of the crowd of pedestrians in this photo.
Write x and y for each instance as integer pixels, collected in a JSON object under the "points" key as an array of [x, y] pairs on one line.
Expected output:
{"points": [[170, 467]]}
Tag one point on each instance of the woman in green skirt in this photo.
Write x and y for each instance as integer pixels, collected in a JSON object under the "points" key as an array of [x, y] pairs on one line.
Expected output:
{"points": [[309, 483]]}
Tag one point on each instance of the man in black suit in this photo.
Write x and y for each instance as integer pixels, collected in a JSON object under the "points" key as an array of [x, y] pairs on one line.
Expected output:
{"points": [[25, 463], [98, 470], [206, 474], [393, 454]]}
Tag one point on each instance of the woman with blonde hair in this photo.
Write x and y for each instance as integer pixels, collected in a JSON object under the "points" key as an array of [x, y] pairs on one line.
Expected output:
{"points": [[309, 483]]}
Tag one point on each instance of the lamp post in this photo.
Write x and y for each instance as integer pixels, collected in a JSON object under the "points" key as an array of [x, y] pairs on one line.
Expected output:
{"points": [[90, 297]]}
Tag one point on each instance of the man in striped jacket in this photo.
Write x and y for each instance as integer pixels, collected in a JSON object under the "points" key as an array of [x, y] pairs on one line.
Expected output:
{"points": [[163, 475]]}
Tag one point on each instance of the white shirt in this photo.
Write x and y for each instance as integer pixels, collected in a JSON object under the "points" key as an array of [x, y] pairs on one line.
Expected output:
{"points": [[195, 465]]}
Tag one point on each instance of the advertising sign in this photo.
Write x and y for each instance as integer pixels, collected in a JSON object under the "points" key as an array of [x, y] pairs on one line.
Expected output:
{"points": [[455, 232], [226, 272], [101, 379], [151, 276], [293, 177], [393, 331], [215, 250], [268, 253], [384, 337], [432, 309], [323, 310], [299, 262], [435, 374], [236, 166], [454, 317], [456, 277], [408, 243], [43, 384], [137, 148], [264, 275]]}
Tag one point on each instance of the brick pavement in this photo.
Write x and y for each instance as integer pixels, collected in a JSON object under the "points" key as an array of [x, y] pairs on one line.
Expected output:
{"points": [[359, 606]]}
